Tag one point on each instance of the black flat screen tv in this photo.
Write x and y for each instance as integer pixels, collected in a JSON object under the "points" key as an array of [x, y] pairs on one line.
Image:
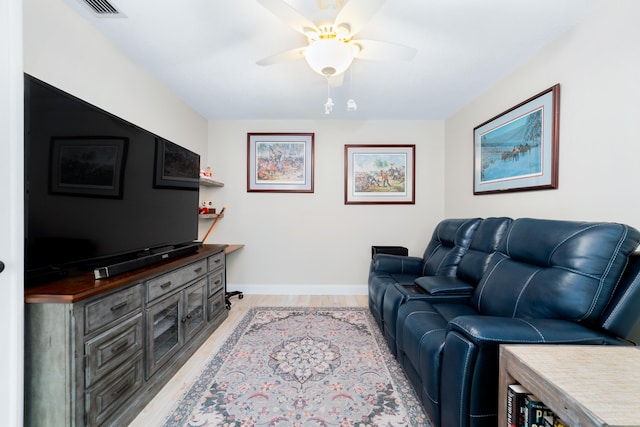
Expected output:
{"points": [[100, 190]]}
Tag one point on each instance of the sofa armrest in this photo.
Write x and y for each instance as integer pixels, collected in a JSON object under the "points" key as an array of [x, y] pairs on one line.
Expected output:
{"points": [[444, 285], [485, 331], [397, 264]]}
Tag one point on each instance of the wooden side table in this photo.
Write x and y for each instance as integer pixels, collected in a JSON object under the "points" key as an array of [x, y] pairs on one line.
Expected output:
{"points": [[583, 385]]}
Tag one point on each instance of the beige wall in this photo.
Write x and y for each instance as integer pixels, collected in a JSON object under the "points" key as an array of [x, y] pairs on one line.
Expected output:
{"points": [[315, 240], [598, 68], [61, 49]]}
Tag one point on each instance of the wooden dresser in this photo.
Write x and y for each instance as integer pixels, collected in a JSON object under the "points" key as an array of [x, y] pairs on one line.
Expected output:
{"points": [[97, 351]]}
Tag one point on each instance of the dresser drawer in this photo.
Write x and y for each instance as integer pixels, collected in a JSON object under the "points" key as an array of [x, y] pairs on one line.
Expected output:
{"points": [[166, 283], [112, 307], [216, 282], [216, 261], [216, 306], [103, 401], [112, 348]]}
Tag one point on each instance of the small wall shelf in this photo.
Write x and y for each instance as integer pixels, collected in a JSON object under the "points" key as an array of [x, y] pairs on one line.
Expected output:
{"points": [[205, 181], [209, 216]]}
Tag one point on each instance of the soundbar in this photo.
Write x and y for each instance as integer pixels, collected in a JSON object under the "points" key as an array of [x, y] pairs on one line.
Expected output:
{"points": [[143, 261]]}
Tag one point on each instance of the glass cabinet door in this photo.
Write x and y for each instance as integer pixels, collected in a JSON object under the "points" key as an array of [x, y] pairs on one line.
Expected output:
{"points": [[194, 313], [164, 331]]}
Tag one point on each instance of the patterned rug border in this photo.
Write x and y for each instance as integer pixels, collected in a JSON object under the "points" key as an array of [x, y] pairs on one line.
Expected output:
{"points": [[188, 401]]}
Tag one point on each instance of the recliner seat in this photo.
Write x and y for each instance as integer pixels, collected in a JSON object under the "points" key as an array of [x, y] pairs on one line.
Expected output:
{"points": [[449, 242], [458, 288]]}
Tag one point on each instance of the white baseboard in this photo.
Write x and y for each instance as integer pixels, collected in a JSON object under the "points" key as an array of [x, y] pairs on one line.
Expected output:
{"points": [[298, 289]]}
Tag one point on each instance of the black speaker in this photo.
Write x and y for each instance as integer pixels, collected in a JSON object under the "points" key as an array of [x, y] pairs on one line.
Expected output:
{"points": [[391, 250]]}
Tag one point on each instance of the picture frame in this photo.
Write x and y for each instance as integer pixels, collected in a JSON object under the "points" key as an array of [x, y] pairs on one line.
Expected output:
{"points": [[518, 149], [280, 162], [379, 174], [87, 166], [175, 167]]}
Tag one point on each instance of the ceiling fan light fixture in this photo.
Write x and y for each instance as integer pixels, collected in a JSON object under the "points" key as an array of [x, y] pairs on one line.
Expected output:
{"points": [[343, 31], [329, 57]]}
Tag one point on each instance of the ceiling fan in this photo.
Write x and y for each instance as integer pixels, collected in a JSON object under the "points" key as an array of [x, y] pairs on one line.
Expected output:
{"points": [[331, 46]]}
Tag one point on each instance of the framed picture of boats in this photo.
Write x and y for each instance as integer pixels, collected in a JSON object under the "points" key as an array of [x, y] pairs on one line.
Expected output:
{"points": [[518, 149]]}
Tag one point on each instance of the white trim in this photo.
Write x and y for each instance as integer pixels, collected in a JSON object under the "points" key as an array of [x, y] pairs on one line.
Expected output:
{"points": [[12, 216], [264, 289]]}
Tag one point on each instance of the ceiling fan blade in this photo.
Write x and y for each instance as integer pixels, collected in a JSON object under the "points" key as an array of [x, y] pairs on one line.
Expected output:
{"points": [[289, 15], [384, 51], [357, 13], [278, 58]]}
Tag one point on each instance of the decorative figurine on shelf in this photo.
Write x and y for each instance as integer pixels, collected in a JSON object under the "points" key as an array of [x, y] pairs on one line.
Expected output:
{"points": [[210, 208], [202, 210], [207, 173]]}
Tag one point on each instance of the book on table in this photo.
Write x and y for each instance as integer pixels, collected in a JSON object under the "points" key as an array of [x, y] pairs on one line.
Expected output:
{"points": [[515, 405], [535, 411]]}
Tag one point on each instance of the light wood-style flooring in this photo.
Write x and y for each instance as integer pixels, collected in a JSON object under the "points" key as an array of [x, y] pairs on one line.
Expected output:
{"points": [[157, 410]]}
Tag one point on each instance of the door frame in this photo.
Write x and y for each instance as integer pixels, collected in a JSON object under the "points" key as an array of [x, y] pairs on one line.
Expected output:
{"points": [[12, 212]]}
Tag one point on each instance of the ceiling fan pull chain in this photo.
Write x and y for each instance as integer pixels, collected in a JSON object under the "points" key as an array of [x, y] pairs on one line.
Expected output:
{"points": [[328, 106]]}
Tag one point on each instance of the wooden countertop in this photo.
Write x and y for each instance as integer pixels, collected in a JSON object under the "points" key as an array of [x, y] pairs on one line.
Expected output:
{"points": [[585, 385], [83, 285], [232, 248]]}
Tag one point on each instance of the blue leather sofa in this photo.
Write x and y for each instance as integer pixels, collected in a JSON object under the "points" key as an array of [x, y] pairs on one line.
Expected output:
{"points": [[547, 281]]}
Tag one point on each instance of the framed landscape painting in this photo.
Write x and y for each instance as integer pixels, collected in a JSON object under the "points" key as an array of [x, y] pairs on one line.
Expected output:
{"points": [[379, 174], [280, 162], [518, 149]]}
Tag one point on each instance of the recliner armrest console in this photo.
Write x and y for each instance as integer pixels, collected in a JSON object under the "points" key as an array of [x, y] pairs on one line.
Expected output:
{"points": [[444, 285]]}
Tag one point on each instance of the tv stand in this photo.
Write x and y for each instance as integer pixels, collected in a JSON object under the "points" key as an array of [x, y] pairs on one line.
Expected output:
{"points": [[97, 351], [150, 257]]}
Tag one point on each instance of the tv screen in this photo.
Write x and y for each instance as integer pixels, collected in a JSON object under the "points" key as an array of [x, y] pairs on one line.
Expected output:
{"points": [[99, 189]]}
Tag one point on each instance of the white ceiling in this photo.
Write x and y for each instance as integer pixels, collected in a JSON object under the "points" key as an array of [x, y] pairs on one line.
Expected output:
{"points": [[206, 52]]}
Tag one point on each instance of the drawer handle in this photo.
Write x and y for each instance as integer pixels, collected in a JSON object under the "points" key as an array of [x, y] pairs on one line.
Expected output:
{"points": [[120, 390], [198, 270], [217, 260], [217, 282], [120, 346], [119, 306], [166, 285]]}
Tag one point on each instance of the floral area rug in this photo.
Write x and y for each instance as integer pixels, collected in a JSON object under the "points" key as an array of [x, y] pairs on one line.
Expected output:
{"points": [[299, 367]]}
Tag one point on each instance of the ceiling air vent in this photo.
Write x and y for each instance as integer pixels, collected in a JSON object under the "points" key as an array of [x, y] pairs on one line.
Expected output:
{"points": [[102, 8]]}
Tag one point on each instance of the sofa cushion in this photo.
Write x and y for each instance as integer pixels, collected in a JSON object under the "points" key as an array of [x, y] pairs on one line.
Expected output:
{"points": [[484, 243], [555, 269], [448, 244]]}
